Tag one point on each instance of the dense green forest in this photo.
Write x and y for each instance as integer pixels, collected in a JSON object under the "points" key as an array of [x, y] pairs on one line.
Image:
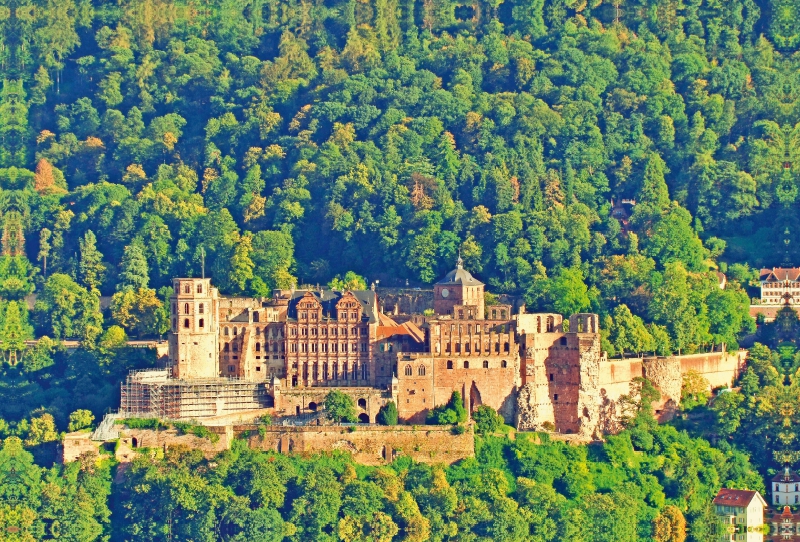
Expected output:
{"points": [[291, 142]]}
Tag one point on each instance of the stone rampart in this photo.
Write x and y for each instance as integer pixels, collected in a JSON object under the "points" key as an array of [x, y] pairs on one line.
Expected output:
{"points": [[369, 445], [719, 368]]}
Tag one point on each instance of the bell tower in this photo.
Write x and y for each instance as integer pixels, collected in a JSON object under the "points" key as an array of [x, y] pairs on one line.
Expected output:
{"points": [[194, 331], [458, 288]]}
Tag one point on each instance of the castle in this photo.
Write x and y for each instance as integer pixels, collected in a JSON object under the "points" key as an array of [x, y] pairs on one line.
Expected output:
{"points": [[285, 353]]}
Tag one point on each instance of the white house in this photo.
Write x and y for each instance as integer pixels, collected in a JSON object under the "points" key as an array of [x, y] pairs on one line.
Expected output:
{"points": [[786, 488], [780, 285], [741, 515]]}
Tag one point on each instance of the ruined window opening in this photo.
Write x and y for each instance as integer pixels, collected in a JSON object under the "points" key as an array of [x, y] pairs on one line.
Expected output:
{"points": [[235, 331], [449, 364], [408, 370], [486, 364], [466, 365], [202, 322], [186, 322], [563, 341], [362, 403], [550, 324], [504, 364], [551, 377], [555, 397], [226, 347], [255, 317]]}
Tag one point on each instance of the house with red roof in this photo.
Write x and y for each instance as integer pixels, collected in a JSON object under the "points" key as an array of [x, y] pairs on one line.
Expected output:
{"points": [[741, 515]]}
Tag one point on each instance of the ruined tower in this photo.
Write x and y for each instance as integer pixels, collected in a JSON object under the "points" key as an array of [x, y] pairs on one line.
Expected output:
{"points": [[194, 333]]}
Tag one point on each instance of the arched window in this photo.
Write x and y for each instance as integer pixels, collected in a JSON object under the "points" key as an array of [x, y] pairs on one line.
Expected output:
{"points": [[185, 308], [201, 308], [486, 364], [226, 331], [449, 363], [258, 347], [199, 288], [466, 365], [504, 364], [421, 370], [187, 289], [409, 371], [186, 322], [235, 331], [201, 322]]}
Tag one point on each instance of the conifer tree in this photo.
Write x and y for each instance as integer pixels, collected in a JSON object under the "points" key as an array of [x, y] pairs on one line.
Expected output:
{"points": [[91, 265], [134, 272]]}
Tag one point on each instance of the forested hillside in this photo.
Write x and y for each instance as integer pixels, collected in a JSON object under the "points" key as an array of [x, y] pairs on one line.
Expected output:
{"points": [[295, 141]]}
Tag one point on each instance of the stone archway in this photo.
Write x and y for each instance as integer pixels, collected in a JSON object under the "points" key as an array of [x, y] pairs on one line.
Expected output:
{"points": [[363, 418]]}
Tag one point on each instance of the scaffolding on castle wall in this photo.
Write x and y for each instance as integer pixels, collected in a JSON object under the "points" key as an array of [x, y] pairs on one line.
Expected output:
{"points": [[154, 394]]}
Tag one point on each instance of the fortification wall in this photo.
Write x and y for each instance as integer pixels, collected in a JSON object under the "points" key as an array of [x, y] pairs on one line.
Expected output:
{"points": [[616, 376], [371, 445], [719, 368]]}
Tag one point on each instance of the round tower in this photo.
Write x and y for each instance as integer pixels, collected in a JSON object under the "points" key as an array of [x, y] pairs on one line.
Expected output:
{"points": [[194, 329]]}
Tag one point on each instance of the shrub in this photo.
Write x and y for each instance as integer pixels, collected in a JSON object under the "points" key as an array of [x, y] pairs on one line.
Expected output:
{"points": [[487, 419], [388, 414], [451, 413], [340, 407]]}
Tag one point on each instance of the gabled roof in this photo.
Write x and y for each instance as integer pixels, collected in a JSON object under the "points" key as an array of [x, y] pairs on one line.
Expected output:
{"points": [[388, 328], [784, 477], [329, 298], [780, 273], [459, 275], [738, 497]]}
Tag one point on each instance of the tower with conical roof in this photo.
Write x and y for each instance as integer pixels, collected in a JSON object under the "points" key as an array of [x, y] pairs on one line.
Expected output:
{"points": [[458, 287]]}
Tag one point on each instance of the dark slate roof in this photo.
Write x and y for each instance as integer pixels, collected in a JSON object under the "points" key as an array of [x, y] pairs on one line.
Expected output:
{"points": [[459, 275], [786, 477], [329, 298]]}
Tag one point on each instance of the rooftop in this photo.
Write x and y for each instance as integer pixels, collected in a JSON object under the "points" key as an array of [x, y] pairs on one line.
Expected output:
{"points": [[737, 497], [780, 273], [459, 275]]}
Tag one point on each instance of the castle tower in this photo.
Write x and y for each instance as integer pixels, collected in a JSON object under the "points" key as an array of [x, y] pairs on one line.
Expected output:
{"points": [[194, 332], [458, 287]]}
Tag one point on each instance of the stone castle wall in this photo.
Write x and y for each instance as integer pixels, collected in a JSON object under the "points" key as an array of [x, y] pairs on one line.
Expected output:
{"points": [[719, 368], [369, 445], [373, 445]]}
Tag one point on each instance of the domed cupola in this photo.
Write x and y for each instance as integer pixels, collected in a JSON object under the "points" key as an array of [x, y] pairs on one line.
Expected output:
{"points": [[458, 287]]}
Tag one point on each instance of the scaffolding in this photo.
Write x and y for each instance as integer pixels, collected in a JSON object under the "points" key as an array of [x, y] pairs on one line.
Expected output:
{"points": [[154, 394]]}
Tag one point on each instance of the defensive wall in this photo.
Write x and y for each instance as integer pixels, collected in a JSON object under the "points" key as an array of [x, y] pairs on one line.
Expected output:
{"points": [[369, 445]]}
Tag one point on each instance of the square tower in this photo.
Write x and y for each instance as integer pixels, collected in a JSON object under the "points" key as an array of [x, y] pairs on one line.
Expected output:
{"points": [[194, 331], [458, 287]]}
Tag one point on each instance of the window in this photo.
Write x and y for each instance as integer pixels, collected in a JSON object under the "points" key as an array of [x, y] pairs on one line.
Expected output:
{"points": [[235, 347], [551, 377], [421, 370], [255, 317], [235, 331], [466, 365], [504, 364], [225, 331], [562, 341], [174, 323], [555, 397], [258, 347], [231, 368], [449, 364], [186, 323], [201, 308], [202, 322], [486, 364], [187, 289], [199, 288], [185, 308], [226, 347]]}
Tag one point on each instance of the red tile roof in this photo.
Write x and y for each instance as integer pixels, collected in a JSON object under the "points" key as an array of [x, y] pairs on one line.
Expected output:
{"points": [[736, 497], [783, 477], [780, 273]]}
